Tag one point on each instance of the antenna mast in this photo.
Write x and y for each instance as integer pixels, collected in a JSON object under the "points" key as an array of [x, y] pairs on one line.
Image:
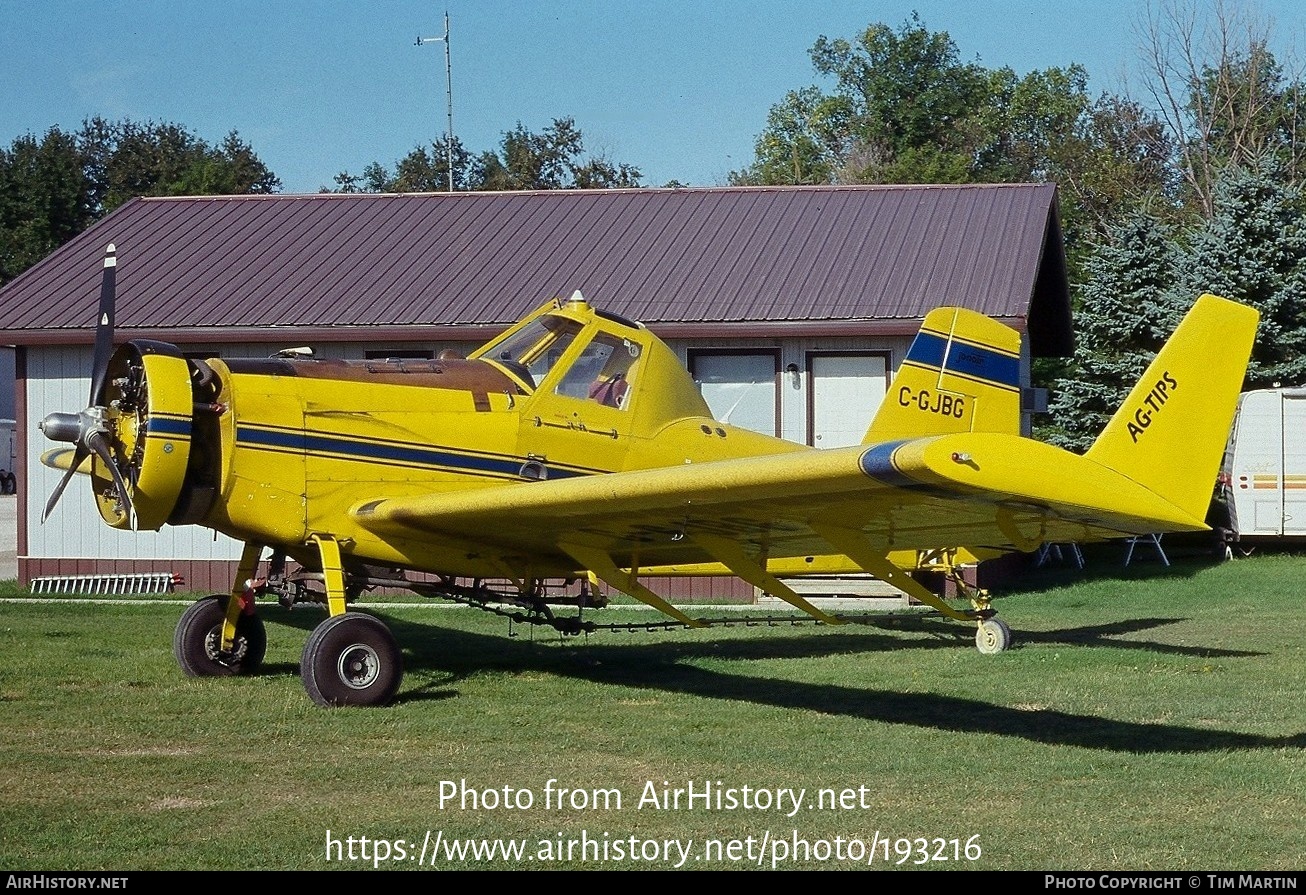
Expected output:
{"points": [[448, 78]]}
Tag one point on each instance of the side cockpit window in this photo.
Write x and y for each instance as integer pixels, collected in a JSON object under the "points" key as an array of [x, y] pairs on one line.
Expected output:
{"points": [[602, 371]]}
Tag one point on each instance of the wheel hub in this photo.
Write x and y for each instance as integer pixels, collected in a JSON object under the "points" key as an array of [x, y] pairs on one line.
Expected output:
{"points": [[359, 666], [213, 647]]}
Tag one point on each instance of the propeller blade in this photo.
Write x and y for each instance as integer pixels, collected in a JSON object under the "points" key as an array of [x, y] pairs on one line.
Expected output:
{"points": [[104, 326], [78, 456], [100, 445]]}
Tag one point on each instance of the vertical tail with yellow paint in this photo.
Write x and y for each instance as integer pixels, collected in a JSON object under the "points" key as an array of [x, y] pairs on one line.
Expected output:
{"points": [[1170, 433], [961, 374]]}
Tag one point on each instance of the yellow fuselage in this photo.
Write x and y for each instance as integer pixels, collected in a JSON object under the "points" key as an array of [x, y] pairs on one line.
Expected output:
{"points": [[303, 442]]}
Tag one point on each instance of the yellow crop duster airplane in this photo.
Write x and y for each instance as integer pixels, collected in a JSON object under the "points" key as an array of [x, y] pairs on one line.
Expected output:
{"points": [[575, 448]]}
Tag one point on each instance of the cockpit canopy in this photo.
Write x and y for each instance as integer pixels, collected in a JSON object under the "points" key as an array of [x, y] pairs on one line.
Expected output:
{"points": [[563, 349]]}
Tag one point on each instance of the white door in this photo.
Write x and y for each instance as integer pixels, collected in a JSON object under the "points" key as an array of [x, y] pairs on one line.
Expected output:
{"points": [[846, 391], [1293, 482], [1258, 464]]}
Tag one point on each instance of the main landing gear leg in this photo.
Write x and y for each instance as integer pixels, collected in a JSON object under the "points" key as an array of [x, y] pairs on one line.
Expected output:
{"points": [[221, 635], [351, 658]]}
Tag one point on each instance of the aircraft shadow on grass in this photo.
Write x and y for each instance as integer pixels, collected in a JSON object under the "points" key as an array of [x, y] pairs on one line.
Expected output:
{"points": [[667, 667]]}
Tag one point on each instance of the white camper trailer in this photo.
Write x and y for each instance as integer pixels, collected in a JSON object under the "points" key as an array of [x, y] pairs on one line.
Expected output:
{"points": [[1264, 475]]}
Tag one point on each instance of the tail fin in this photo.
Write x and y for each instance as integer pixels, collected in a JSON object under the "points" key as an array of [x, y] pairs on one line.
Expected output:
{"points": [[1170, 433], [961, 374]]}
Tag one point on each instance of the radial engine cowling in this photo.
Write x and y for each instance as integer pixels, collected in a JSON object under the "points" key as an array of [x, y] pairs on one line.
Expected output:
{"points": [[150, 407]]}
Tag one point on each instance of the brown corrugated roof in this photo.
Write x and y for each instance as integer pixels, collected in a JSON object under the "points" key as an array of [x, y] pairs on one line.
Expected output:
{"points": [[823, 258]]}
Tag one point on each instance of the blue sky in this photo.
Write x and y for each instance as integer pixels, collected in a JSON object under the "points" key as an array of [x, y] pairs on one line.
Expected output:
{"points": [[677, 89]]}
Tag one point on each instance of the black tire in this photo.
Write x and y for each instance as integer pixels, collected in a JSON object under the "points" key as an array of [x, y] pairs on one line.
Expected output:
{"points": [[199, 634], [993, 636], [351, 659]]}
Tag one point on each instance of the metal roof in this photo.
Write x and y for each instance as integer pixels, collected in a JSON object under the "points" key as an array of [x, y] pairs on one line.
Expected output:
{"points": [[873, 258]]}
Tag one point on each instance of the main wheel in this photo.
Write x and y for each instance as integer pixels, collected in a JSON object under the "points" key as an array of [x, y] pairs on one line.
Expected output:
{"points": [[351, 659], [198, 638], [993, 636]]}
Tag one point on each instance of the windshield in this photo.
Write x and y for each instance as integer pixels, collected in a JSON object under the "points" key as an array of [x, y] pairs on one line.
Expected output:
{"points": [[533, 351]]}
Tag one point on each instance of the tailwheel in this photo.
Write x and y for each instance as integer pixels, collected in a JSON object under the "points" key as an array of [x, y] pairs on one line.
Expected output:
{"points": [[351, 659], [993, 636], [197, 642]]}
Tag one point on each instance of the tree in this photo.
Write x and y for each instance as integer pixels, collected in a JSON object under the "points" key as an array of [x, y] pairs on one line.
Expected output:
{"points": [[904, 108], [553, 159], [598, 173], [1223, 96], [800, 143], [1253, 250], [125, 159], [529, 161], [376, 178], [1027, 120], [45, 199], [420, 171], [911, 103], [1107, 155], [1119, 163], [1126, 311], [243, 172], [54, 187]]}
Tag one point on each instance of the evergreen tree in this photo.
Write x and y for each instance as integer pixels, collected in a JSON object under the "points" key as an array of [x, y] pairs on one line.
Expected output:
{"points": [[1253, 250], [1127, 310]]}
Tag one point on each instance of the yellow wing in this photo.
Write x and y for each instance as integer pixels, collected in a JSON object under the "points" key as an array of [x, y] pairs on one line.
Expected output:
{"points": [[957, 490], [1151, 471]]}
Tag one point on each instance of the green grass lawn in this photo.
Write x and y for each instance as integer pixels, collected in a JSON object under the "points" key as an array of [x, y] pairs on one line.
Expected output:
{"points": [[1144, 721]]}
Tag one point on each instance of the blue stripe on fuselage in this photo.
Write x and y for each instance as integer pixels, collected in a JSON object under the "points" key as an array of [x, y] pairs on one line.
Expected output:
{"points": [[177, 427], [877, 462], [386, 452]]}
